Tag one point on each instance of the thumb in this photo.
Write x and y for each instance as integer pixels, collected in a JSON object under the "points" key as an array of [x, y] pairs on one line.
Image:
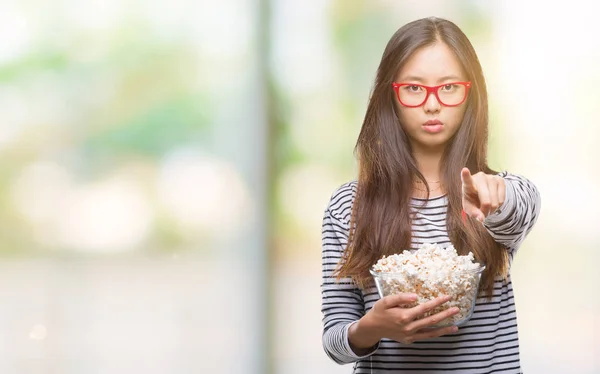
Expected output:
{"points": [[474, 212], [392, 301]]}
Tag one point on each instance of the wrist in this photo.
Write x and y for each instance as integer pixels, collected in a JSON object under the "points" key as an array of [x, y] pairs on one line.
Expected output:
{"points": [[364, 333]]}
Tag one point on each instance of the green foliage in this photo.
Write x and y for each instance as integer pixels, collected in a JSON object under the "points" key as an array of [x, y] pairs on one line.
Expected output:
{"points": [[155, 130]]}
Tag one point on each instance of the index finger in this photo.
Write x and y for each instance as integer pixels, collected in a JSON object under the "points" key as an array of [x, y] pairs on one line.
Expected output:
{"points": [[391, 301], [467, 179], [421, 309]]}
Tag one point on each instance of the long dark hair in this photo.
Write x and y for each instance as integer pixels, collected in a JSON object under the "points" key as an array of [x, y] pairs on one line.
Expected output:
{"points": [[380, 220]]}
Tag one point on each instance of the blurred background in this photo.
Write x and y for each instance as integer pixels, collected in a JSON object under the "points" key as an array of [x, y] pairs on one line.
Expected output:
{"points": [[164, 168]]}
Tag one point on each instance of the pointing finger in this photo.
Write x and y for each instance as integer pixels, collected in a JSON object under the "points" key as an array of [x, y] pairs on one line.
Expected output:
{"points": [[467, 181]]}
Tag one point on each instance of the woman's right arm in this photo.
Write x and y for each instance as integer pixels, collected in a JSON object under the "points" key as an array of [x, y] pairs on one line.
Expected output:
{"points": [[349, 334], [341, 301]]}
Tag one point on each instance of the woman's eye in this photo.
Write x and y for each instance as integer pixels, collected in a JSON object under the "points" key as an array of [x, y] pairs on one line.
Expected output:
{"points": [[414, 88], [448, 87]]}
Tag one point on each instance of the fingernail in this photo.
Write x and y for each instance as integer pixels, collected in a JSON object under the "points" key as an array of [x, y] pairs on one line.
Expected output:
{"points": [[454, 329]]}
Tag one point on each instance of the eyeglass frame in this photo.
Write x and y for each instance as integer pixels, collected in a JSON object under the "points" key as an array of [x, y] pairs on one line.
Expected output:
{"points": [[430, 90]]}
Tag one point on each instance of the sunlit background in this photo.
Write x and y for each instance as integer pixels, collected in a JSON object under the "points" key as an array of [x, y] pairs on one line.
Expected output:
{"points": [[164, 167]]}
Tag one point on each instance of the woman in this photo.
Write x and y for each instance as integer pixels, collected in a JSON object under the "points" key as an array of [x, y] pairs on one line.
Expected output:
{"points": [[423, 177]]}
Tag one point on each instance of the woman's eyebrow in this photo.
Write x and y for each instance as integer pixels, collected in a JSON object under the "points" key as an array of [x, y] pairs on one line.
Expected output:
{"points": [[412, 78], [449, 78], [415, 78]]}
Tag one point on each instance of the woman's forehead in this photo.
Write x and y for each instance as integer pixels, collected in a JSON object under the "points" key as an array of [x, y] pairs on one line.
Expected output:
{"points": [[431, 64]]}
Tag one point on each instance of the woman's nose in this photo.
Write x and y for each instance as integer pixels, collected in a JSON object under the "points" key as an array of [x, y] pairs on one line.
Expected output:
{"points": [[432, 104]]}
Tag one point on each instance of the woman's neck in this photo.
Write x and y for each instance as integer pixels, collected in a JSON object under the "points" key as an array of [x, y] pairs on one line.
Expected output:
{"points": [[429, 165]]}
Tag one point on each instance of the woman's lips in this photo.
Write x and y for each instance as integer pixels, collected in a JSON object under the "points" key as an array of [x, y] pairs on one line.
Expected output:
{"points": [[433, 126]]}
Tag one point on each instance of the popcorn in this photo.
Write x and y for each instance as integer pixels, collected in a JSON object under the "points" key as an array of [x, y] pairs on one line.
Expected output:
{"points": [[430, 272]]}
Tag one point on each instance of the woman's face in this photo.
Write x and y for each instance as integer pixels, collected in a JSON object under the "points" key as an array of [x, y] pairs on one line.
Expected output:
{"points": [[431, 125]]}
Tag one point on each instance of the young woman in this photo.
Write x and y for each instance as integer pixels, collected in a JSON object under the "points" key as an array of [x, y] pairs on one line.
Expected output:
{"points": [[423, 177]]}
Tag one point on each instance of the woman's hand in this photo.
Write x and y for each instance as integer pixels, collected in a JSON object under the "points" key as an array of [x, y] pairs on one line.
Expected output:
{"points": [[482, 193], [388, 319]]}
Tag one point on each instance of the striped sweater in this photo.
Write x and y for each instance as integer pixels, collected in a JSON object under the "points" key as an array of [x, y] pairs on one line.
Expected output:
{"points": [[487, 343]]}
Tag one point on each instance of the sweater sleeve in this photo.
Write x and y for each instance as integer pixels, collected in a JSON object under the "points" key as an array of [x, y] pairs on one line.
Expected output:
{"points": [[342, 303], [511, 223]]}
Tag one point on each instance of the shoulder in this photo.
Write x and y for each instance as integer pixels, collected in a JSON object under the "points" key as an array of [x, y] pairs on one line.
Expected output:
{"points": [[341, 200]]}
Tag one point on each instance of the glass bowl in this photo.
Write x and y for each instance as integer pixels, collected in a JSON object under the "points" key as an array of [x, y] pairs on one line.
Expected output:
{"points": [[462, 286]]}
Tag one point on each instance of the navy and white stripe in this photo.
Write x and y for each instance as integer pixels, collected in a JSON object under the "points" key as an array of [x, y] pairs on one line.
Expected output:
{"points": [[488, 343]]}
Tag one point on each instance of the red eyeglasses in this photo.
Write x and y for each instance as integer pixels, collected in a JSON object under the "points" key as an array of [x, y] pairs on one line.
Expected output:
{"points": [[413, 95]]}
